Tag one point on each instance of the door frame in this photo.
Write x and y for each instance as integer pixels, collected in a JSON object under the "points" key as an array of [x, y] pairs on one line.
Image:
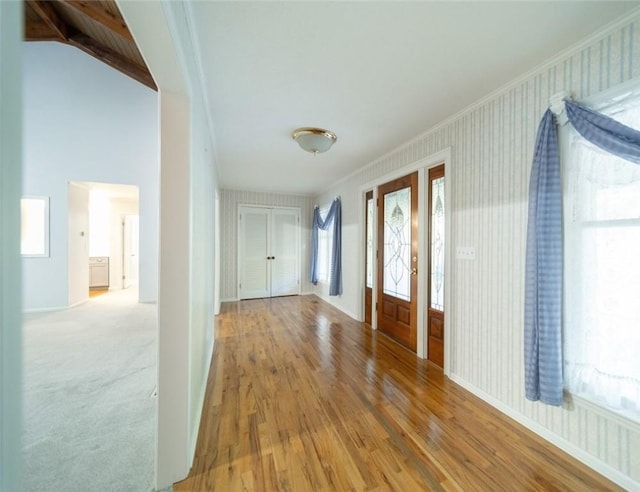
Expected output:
{"points": [[422, 166], [241, 206]]}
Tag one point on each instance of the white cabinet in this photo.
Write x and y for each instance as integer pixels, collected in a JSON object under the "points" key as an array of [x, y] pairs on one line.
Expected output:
{"points": [[98, 271], [269, 252]]}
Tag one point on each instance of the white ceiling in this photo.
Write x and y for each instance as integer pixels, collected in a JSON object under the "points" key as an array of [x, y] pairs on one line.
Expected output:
{"points": [[375, 73]]}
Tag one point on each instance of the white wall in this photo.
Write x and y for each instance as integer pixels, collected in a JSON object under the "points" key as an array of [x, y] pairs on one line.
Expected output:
{"points": [[491, 151], [229, 201], [77, 244], [174, 294], [10, 276], [84, 121], [187, 224], [203, 192]]}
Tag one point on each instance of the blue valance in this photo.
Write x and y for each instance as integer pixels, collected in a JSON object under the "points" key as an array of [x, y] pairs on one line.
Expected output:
{"points": [[544, 257], [333, 218]]}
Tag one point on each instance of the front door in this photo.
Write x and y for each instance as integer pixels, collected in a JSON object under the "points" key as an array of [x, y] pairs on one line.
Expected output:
{"points": [[398, 259]]}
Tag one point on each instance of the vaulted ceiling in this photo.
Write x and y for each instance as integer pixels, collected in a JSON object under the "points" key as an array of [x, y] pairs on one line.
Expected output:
{"points": [[376, 73], [96, 27]]}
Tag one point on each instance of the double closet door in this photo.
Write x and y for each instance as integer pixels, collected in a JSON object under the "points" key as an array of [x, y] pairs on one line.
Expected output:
{"points": [[268, 252]]}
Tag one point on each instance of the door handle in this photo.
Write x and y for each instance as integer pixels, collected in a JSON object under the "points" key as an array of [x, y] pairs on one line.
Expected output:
{"points": [[414, 271]]}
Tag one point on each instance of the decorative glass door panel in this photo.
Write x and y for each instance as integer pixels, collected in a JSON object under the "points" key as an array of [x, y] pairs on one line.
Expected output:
{"points": [[435, 314], [397, 244], [398, 259], [369, 256], [437, 245], [370, 241]]}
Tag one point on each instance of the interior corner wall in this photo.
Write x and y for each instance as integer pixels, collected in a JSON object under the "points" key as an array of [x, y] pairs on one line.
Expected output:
{"points": [[203, 251], [188, 185], [84, 121], [350, 302], [491, 151], [229, 201], [78, 243], [174, 304], [11, 23]]}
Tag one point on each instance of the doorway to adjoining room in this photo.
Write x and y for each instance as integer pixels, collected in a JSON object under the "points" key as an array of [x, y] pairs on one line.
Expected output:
{"points": [[103, 238]]}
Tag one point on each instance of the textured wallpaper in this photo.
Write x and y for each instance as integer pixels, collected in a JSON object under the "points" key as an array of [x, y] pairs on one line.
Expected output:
{"points": [[491, 150]]}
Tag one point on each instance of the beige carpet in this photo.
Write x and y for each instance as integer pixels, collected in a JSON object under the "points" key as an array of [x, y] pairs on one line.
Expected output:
{"points": [[89, 402]]}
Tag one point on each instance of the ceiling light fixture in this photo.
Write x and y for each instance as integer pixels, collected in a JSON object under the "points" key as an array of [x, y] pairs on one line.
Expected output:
{"points": [[314, 140]]}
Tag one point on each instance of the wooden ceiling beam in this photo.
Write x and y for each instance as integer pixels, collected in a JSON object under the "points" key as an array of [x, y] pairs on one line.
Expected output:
{"points": [[102, 16], [112, 58], [50, 17], [39, 31]]}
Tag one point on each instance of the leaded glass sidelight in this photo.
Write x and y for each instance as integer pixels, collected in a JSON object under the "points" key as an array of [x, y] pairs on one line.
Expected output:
{"points": [[370, 205], [437, 244], [397, 244]]}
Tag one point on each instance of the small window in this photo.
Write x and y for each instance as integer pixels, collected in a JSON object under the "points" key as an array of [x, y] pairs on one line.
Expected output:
{"points": [[325, 241], [602, 270], [34, 236]]}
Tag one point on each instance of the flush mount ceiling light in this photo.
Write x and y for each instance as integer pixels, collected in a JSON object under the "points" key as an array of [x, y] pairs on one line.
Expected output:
{"points": [[314, 140]]}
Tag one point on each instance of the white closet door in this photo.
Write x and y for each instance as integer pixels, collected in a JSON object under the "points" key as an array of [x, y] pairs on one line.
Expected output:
{"points": [[285, 265], [255, 272]]}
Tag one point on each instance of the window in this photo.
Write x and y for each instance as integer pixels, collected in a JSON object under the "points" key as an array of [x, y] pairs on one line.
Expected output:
{"points": [[34, 234], [601, 337], [325, 242]]}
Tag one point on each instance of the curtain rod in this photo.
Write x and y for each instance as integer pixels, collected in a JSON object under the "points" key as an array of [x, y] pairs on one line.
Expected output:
{"points": [[338, 197], [556, 105]]}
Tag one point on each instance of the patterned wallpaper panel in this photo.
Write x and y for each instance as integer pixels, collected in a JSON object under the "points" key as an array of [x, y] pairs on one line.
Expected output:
{"points": [[491, 150]]}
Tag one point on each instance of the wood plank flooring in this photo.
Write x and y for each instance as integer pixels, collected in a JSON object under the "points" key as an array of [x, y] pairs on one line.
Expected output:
{"points": [[302, 398]]}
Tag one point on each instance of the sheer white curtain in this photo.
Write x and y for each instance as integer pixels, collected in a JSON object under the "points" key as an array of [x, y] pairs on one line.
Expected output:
{"points": [[325, 241], [601, 336]]}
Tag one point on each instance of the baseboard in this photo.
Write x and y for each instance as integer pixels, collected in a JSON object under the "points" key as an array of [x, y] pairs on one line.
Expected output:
{"points": [[79, 303], [235, 299], [328, 300], [44, 310], [591, 461], [203, 391], [54, 308]]}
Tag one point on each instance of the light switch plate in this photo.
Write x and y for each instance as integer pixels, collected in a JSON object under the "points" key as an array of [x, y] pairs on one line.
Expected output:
{"points": [[466, 253]]}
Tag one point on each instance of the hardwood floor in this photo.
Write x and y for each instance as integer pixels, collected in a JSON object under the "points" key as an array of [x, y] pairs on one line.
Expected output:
{"points": [[302, 398]]}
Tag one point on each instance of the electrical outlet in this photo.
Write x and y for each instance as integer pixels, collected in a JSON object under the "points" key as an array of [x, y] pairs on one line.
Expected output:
{"points": [[466, 253]]}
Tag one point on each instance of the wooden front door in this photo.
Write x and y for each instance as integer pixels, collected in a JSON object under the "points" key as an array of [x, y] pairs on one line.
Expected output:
{"points": [[369, 251], [398, 259], [435, 315]]}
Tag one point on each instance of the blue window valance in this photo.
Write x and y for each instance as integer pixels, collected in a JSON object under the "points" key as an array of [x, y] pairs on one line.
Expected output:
{"points": [[334, 220], [544, 257]]}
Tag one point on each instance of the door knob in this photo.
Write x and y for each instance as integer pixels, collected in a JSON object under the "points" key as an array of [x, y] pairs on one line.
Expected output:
{"points": [[414, 271]]}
